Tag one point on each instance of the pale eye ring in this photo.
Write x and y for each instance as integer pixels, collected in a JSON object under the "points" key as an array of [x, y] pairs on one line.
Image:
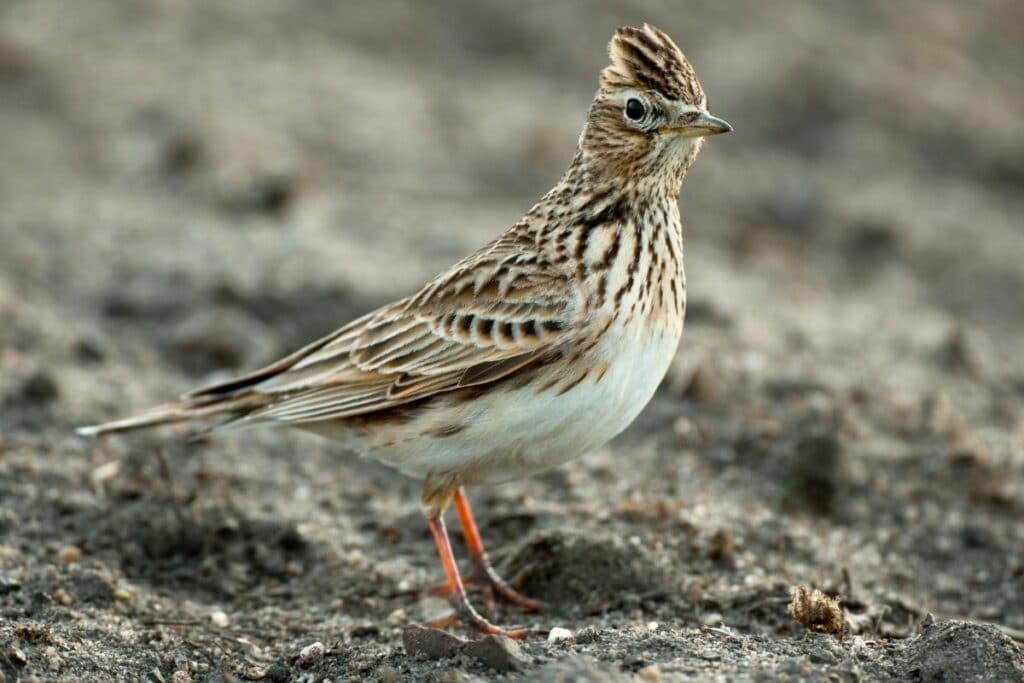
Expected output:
{"points": [[635, 109]]}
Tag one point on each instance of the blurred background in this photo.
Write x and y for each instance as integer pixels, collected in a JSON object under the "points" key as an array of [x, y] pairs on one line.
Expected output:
{"points": [[190, 188]]}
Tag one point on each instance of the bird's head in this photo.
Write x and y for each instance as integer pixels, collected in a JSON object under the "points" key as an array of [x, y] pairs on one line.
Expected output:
{"points": [[650, 116]]}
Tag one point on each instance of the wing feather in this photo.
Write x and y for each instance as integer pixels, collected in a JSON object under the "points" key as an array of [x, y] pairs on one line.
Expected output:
{"points": [[489, 316]]}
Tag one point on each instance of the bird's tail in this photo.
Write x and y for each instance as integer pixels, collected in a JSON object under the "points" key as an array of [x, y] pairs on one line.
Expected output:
{"points": [[180, 411]]}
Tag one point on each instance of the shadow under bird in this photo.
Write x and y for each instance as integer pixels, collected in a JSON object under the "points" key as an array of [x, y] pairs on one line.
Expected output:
{"points": [[540, 346]]}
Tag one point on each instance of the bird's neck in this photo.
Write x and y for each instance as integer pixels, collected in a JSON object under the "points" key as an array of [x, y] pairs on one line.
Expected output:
{"points": [[624, 239], [645, 180]]}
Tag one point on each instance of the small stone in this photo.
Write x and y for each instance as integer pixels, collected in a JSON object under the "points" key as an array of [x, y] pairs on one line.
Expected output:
{"points": [[312, 654], [500, 654], [683, 426], [69, 554], [711, 619], [397, 617], [963, 651], [220, 619], [90, 587], [9, 584], [54, 660], [61, 597], [123, 594], [430, 643], [180, 676], [559, 633], [650, 674]]}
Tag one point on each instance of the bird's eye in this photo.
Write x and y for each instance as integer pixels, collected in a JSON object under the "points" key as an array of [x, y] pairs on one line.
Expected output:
{"points": [[635, 109]]}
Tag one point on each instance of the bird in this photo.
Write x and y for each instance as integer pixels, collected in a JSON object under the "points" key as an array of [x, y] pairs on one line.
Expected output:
{"points": [[541, 346]]}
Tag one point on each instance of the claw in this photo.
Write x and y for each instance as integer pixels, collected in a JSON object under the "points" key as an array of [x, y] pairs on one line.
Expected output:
{"points": [[504, 590], [481, 625], [493, 587]]}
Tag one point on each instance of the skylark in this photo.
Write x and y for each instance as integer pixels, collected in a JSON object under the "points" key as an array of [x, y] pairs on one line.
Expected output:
{"points": [[539, 347]]}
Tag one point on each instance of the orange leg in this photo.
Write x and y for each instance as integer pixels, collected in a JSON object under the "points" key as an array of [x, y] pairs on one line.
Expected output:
{"points": [[463, 610], [482, 569]]}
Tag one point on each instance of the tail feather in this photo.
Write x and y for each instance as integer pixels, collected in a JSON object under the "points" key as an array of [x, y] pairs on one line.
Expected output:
{"points": [[169, 413]]}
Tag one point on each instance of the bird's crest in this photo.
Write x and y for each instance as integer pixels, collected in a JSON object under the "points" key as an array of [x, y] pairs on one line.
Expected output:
{"points": [[647, 58]]}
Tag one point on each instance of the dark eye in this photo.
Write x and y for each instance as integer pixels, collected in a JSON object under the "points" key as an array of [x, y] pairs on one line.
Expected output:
{"points": [[635, 109]]}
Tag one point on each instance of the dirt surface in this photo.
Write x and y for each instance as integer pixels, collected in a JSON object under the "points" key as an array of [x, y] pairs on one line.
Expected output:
{"points": [[188, 189]]}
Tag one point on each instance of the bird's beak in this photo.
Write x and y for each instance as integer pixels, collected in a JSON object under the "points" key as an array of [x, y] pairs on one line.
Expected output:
{"points": [[704, 124]]}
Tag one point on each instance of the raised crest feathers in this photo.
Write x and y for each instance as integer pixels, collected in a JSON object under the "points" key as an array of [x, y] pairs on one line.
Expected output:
{"points": [[647, 58]]}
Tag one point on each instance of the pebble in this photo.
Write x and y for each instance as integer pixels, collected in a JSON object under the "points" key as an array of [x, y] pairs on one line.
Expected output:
{"points": [[559, 633], [69, 554], [711, 619], [650, 674], [430, 643], [397, 617], [312, 654], [8, 584], [500, 654], [683, 426], [220, 619]]}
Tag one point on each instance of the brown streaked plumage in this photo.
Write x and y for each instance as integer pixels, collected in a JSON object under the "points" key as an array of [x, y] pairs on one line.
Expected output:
{"points": [[540, 346]]}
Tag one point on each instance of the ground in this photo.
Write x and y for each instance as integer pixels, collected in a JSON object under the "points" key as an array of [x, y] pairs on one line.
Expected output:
{"points": [[189, 189]]}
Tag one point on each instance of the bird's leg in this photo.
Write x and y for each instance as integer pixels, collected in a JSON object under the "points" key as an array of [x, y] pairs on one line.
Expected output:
{"points": [[483, 571], [463, 610]]}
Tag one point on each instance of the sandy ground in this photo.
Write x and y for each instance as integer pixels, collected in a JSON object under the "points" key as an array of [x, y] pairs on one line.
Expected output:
{"points": [[188, 189]]}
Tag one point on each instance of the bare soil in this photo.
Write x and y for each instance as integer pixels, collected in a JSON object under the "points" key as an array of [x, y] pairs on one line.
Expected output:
{"points": [[191, 188]]}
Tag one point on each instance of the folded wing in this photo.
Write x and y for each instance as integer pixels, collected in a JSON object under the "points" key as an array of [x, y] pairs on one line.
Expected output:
{"points": [[490, 315]]}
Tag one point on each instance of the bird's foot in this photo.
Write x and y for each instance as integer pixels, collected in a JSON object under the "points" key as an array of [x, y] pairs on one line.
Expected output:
{"points": [[464, 612], [494, 588]]}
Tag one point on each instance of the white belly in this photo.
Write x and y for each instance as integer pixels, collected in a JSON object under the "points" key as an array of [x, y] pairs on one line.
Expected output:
{"points": [[508, 434]]}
